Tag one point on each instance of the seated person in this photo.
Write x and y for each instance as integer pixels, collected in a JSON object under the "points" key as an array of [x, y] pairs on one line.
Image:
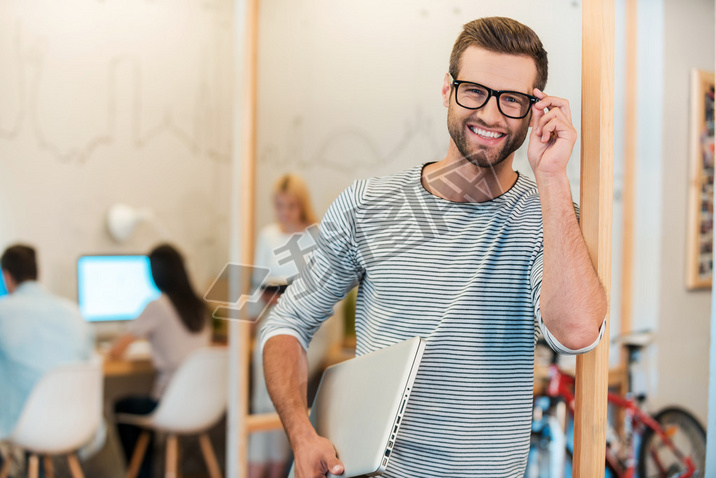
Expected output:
{"points": [[38, 332], [176, 324]]}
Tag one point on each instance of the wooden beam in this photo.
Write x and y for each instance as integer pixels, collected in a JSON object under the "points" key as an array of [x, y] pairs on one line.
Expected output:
{"points": [[263, 422], [242, 227], [596, 219], [248, 202], [630, 151]]}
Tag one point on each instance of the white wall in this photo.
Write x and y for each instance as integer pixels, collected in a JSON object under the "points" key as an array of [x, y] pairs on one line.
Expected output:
{"points": [[351, 89], [618, 174], [105, 102], [647, 260], [683, 328], [677, 362], [674, 36]]}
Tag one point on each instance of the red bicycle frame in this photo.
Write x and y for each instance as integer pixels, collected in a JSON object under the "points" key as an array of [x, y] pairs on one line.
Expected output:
{"points": [[561, 385]]}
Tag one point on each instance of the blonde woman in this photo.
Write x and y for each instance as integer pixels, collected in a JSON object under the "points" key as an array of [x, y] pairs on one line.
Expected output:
{"points": [[294, 215]]}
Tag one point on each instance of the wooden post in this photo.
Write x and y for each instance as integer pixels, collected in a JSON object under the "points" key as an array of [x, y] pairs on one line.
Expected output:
{"points": [[596, 217], [242, 229], [630, 142], [248, 201]]}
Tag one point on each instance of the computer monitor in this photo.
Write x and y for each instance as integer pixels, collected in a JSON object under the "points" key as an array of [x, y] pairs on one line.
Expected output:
{"points": [[3, 289], [114, 287]]}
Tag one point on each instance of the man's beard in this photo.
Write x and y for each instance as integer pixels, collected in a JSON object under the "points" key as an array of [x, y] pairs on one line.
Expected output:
{"points": [[482, 156]]}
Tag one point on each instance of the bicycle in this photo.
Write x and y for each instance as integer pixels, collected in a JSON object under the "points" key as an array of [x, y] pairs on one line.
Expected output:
{"points": [[670, 444]]}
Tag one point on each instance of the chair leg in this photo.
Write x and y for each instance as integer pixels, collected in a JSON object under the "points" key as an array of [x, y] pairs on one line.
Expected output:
{"points": [[49, 466], [5, 468], [75, 468], [179, 472], [34, 467], [172, 456], [138, 454], [209, 457]]}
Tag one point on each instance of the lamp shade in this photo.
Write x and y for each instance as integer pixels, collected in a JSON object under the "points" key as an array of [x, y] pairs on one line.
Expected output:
{"points": [[123, 219]]}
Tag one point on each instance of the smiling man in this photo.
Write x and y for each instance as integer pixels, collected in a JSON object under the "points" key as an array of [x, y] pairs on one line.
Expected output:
{"points": [[465, 252]]}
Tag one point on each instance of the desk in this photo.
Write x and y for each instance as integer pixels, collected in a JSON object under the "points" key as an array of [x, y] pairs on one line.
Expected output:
{"points": [[137, 360], [124, 367]]}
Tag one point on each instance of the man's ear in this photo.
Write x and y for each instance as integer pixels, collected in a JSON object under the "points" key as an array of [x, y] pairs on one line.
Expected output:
{"points": [[446, 90]]}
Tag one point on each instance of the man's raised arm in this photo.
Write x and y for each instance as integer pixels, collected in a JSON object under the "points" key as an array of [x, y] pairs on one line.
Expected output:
{"points": [[573, 302]]}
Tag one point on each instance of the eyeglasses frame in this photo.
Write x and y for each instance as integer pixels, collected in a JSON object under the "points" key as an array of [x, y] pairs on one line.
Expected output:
{"points": [[490, 93]]}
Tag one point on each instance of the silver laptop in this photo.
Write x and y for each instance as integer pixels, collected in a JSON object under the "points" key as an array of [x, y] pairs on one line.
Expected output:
{"points": [[360, 402]]}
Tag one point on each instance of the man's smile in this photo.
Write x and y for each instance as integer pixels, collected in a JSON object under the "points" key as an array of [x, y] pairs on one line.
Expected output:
{"points": [[491, 136]]}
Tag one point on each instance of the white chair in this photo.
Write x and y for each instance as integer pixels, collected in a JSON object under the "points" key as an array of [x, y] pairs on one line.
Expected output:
{"points": [[62, 413], [194, 401]]}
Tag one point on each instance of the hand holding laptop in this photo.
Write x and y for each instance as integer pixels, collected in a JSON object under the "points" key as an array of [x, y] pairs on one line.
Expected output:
{"points": [[356, 414], [315, 456]]}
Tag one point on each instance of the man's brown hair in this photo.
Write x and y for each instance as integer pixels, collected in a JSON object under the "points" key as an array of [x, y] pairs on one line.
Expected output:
{"points": [[501, 35]]}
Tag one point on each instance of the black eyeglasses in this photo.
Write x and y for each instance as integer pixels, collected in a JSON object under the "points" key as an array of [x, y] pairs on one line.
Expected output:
{"points": [[474, 96]]}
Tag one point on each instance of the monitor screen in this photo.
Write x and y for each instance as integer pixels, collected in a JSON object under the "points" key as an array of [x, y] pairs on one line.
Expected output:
{"points": [[3, 289], [114, 287]]}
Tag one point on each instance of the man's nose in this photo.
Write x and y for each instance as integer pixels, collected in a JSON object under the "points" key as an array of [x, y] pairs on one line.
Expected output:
{"points": [[490, 113]]}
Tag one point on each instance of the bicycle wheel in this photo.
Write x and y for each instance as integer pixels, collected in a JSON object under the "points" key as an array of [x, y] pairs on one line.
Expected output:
{"points": [[657, 460]]}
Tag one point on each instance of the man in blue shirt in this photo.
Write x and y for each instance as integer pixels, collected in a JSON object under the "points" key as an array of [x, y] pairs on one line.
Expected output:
{"points": [[38, 332]]}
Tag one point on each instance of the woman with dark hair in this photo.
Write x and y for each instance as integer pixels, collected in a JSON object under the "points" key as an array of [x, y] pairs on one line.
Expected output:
{"points": [[171, 278], [176, 324]]}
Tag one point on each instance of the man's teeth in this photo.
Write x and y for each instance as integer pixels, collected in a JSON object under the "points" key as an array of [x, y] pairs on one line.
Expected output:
{"points": [[485, 134]]}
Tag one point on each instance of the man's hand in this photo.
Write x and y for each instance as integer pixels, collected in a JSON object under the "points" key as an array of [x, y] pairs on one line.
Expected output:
{"points": [[286, 370], [315, 457], [553, 136]]}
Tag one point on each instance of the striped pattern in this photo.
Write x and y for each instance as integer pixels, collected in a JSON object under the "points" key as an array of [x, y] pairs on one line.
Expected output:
{"points": [[466, 277]]}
